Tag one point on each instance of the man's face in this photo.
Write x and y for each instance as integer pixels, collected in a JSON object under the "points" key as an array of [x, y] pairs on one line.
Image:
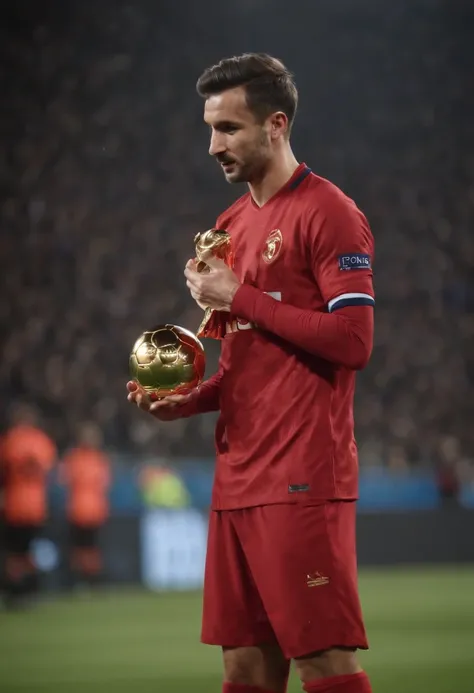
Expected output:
{"points": [[240, 144]]}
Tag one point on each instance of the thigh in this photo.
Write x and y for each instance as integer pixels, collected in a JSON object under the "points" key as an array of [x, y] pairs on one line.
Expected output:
{"points": [[233, 613], [304, 563]]}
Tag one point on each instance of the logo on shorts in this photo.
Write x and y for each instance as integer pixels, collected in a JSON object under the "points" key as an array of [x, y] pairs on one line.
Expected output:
{"points": [[316, 580], [272, 246]]}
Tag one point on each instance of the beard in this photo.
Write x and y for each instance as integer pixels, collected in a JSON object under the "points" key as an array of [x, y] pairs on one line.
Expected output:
{"points": [[247, 171], [253, 163], [238, 173]]}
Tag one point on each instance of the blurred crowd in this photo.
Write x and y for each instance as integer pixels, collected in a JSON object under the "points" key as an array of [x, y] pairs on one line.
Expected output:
{"points": [[105, 180]]}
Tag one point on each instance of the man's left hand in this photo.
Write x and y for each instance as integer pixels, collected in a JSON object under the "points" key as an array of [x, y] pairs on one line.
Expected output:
{"points": [[215, 288]]}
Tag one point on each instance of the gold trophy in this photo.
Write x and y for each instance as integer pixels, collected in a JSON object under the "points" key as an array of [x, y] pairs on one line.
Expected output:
{"points": [[213, 243], [167, 360]]}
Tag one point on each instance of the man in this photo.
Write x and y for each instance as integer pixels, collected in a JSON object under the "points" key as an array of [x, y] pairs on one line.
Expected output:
{"points": [[27, 455], [85, 471], [281, 576]]}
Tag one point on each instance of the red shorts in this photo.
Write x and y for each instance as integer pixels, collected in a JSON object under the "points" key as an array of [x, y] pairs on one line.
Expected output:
{"points": [[283, 574]]}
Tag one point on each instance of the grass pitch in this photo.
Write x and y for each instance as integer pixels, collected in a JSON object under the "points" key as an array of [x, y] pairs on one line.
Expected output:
{"points": [[420, 624]]}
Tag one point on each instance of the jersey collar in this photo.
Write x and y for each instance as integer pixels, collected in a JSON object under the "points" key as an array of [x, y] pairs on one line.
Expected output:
{"points": [[298, 176]]}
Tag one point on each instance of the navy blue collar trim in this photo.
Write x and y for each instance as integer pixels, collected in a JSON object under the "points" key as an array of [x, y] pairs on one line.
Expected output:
{"points": [[304, 173]]}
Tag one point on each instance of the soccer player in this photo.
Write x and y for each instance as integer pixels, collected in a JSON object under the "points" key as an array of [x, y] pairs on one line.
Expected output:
{"points": [[27, 455], [85, 471], [281, 576]]}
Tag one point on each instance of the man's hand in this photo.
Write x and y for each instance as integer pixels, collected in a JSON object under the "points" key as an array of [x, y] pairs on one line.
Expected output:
{"points": [[214, 289], [166, 409]]}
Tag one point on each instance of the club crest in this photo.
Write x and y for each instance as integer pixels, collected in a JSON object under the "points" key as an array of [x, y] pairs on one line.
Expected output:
{"points": [[273, 246]]}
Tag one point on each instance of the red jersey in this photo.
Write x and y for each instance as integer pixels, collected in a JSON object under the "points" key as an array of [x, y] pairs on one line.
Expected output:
{"points": [[286, 432]]}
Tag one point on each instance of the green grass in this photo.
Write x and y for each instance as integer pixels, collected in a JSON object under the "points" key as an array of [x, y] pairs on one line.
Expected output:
{"points": [[420, 624]]}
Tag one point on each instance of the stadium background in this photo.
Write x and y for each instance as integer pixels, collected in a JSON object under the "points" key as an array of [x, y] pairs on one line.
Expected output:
{"points": [[105, 179]]}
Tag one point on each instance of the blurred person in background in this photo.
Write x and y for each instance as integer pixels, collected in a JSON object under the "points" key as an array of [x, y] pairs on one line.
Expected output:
{"points": [[85, 471], [449, 461], [27, 455], [162, 487]]}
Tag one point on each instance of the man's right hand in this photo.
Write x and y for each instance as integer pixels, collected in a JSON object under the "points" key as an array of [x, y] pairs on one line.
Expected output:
{"points": [[166, 409]]}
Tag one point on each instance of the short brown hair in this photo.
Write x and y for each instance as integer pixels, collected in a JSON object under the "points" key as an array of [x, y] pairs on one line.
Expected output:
{"points": [[269, 85]]}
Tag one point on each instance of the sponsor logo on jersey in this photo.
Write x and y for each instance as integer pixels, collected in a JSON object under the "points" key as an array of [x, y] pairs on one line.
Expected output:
{"points": [[238, 325], [273, 246], [354, 261]]}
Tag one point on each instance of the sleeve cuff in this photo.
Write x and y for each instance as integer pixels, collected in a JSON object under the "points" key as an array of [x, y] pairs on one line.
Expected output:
{"points": [[245, 301]]}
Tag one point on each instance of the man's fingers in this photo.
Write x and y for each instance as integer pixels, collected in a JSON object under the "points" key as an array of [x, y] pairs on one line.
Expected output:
{"points": [[192, 276], [143, 400], [137, 395], [215, 263], [178, 399], [169, 402], [192, 284], [133, 390], [196, 295], [161, 404], [194, 289]]}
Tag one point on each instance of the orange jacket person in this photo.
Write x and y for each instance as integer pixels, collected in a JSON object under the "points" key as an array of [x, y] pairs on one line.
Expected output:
{"points": [[85, 472], [27, 454]]}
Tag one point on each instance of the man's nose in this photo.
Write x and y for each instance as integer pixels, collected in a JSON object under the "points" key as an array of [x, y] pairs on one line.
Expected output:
{"points": [[217, 144]]}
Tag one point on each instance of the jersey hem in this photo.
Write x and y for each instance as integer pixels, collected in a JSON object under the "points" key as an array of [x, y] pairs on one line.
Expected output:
{"points": [[307, 502]]}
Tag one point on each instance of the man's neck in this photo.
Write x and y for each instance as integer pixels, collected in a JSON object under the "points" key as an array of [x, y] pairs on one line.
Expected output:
{"points": [[274, 178]]}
